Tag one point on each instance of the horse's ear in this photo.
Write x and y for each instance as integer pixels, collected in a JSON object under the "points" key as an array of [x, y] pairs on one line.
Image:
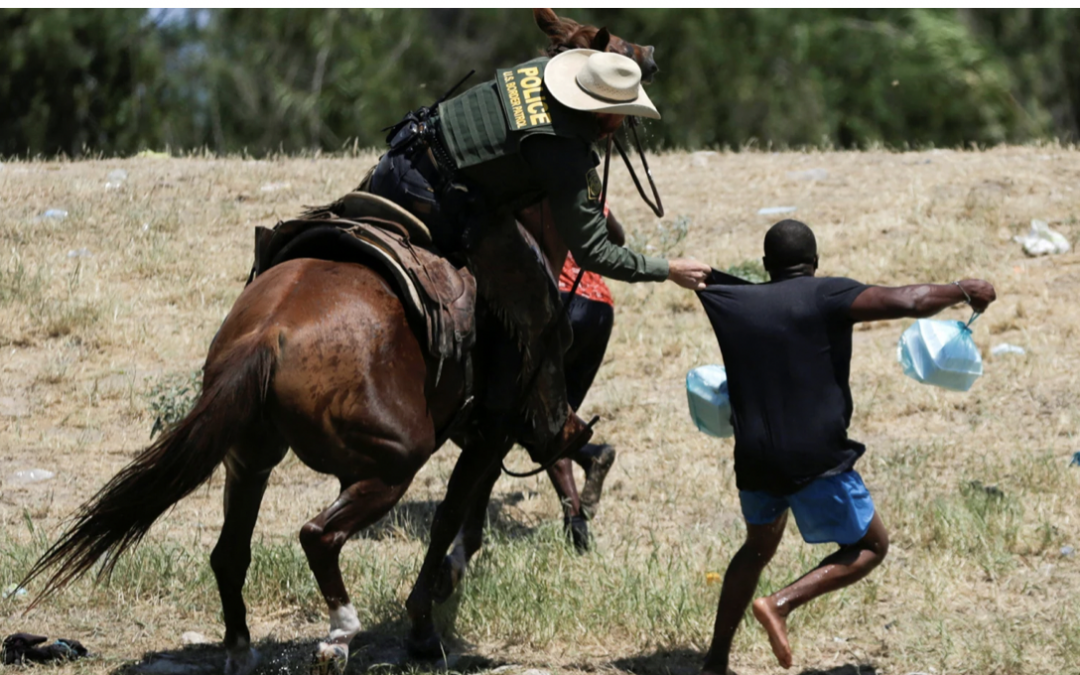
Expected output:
{"points": [[548, 22], [600, 40]]}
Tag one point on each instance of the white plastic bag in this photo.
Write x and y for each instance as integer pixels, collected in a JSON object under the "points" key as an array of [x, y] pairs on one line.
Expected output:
{"points": [[941, 353], [707, 395], [1041, 240]]}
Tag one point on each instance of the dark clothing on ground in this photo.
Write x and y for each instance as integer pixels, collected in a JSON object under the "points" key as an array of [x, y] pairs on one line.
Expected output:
{"points": [[591, 321], [787, 350]]}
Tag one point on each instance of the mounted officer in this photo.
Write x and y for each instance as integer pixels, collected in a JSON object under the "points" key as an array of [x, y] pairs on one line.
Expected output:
{"points": [[465, 167]]}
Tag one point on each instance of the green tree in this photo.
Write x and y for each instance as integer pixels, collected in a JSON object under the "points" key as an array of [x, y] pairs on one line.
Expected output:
{"points": [[78, 79]]}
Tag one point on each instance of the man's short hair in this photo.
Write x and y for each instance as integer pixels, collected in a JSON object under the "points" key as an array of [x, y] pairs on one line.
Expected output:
{"points": [[789, 243]]}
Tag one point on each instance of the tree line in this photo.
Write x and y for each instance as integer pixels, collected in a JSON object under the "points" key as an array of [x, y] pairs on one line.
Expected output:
{"points": [[117, 81]]}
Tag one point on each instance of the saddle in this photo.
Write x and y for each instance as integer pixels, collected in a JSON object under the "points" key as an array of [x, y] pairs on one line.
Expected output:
{"points": [[439, 298]]}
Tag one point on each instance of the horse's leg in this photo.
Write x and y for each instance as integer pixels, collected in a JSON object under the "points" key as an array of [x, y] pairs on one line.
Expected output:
{"points": [[574, 522], [475, 464], [246, 473], [468, 541], [358, 506]]}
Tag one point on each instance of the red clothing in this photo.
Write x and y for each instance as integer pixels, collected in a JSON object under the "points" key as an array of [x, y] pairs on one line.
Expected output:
{"points": [[592, 286]]}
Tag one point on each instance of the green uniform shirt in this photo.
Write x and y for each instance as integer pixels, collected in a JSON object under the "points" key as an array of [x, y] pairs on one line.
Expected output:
{"points": [[513, 139]]}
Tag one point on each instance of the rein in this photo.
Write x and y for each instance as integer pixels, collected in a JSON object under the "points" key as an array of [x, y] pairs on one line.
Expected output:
{"points": [[658, 206]]}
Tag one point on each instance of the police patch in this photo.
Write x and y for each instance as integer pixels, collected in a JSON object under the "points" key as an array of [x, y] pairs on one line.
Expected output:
{"points": [[522, 97], [596, 186]]}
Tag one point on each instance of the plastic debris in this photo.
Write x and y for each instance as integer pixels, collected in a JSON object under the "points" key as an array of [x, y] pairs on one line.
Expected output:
{"points": [[1075, 459], [80, 253], [274, 187], [193, 638], [775, 210], [115, 179], [1041, 240], [13, 591], [941, 353], [146, 227], [810, 174], [707, 396], [713, 578], [53, 214], [27, 476], [1068, 551], [1006, 348], [701, 157]]}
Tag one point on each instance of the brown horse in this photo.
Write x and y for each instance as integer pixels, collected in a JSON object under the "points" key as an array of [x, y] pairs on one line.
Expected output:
{"points": [[320, 357]]}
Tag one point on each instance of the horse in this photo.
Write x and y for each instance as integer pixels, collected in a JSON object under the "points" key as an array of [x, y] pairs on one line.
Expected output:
{"points": [[319, 357]]}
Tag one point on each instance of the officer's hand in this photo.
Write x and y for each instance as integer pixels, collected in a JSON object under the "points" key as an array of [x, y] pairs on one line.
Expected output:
{"points": [[688, 273], [982, 293]]}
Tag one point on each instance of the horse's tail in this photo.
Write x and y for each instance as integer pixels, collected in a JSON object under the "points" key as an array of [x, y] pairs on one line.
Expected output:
{"points": [[182, 459]]}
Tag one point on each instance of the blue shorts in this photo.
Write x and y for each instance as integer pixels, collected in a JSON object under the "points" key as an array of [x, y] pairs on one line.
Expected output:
{"points": [[833, 509]]}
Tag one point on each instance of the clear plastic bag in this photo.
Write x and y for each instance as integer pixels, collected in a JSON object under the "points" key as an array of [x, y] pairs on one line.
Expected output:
{"points": [[707, 395], [941, 353]]}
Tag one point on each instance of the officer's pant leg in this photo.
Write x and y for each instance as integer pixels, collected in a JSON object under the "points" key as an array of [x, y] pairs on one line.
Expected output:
{"points": [[518, 290]]}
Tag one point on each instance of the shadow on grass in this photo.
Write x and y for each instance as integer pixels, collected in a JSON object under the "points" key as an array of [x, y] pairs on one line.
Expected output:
{"points": [[662, 662], [412, 520], [689, 662], [372, 651], [380, 649]]}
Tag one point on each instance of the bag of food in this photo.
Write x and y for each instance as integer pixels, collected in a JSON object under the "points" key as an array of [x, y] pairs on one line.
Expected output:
{"points": [[710, 407], [941, 353]]}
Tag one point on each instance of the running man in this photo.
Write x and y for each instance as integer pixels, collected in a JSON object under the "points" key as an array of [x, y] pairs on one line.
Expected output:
{"points": [[787, 349]]}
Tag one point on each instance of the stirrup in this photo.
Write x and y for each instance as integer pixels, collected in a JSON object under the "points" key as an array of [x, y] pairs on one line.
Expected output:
{"points": [[574, 436]]}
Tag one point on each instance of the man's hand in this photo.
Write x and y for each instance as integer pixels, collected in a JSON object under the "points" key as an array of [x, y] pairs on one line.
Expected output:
{"points": [[981, 292], [689, 273]]}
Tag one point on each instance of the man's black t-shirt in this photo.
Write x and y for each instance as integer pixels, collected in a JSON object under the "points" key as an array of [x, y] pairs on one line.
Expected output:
{"points": [[787, 351]]}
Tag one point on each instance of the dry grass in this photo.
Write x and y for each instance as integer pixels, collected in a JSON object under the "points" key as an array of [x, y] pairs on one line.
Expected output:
{"points": [[975, 582]]}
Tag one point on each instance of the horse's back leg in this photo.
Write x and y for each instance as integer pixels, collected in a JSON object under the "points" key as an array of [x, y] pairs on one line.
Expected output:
{"points": [[247, 470], [358, 506]]}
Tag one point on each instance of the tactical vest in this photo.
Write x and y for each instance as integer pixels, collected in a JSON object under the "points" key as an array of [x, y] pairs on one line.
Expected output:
{"points": [[490, 120]]}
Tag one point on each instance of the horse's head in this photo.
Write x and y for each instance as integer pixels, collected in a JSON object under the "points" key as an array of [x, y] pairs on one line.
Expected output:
{"points": [[567, 34]]}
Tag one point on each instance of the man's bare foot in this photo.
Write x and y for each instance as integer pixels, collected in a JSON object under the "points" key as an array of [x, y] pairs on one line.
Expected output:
{"points": [[776, 626]]}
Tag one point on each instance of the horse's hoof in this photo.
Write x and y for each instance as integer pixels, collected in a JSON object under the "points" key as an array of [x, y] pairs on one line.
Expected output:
{"points": [[428, 647], [450, 573], [241, 662], [603, 456], [577, 531], [330, 659]]}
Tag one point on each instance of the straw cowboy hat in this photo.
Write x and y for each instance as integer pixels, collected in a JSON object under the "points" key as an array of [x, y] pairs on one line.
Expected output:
{"points": [[602, 82]]}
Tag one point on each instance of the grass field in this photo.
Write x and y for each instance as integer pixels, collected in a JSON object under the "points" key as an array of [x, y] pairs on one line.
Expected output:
{"points": [[105, 315]]}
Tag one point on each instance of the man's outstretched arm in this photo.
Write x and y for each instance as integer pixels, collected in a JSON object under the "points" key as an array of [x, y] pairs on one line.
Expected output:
{"points": [[877, 303]]}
